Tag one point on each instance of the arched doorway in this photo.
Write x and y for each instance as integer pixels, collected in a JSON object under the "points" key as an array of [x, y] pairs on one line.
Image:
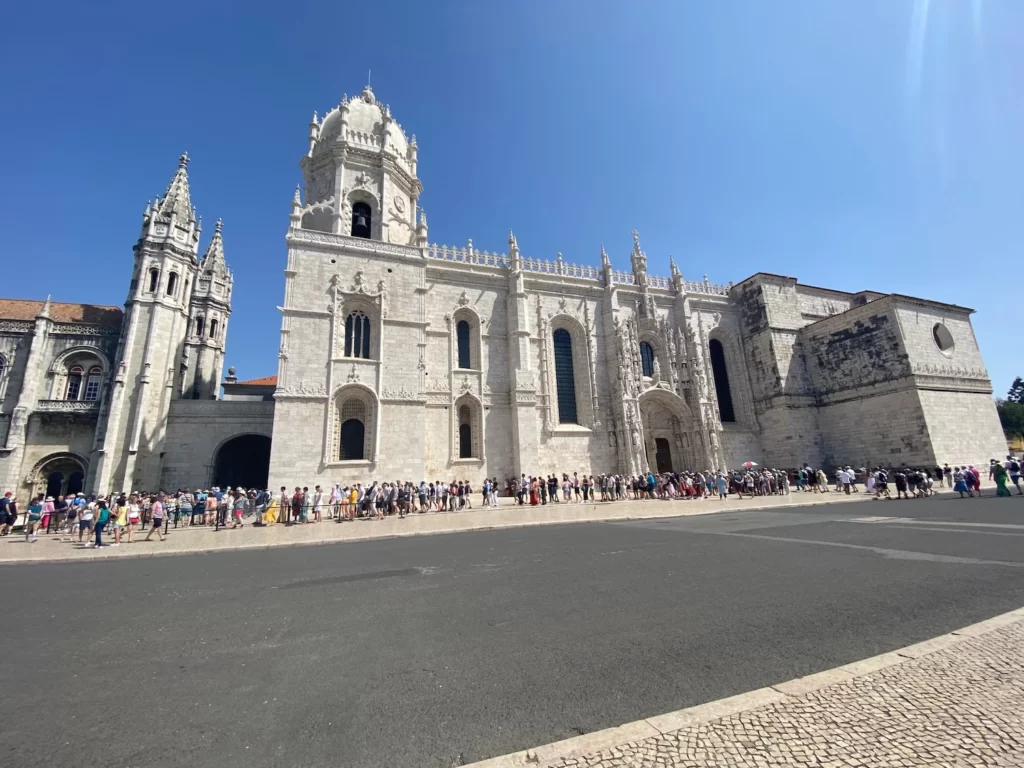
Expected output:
{"points": [[663, 454], [671, 442], [243, 461], [60, 475]]}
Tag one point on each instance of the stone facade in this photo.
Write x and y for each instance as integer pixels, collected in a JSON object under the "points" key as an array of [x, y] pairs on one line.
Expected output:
{"points": [[469, 350], [404, 359]]}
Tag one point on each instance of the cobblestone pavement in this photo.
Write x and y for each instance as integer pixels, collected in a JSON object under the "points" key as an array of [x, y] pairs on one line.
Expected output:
{"points": [[962, 706]]}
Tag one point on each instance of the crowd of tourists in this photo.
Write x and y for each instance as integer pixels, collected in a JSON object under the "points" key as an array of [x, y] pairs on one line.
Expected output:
{"points": [[123, 516]]}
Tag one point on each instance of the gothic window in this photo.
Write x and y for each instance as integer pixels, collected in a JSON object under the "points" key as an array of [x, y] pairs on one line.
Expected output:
{"points": [[172, 283], [154, 280], [3, 370], [92, 384], [465, 433], [353, 430], [213, 328], [362, 218], [721, 374], [565, 383], [199, 327], [357, 335], [647, 358], [74, 383], [462, 335]]}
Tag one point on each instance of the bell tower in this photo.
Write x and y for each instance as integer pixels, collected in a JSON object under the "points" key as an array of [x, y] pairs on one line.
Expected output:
{"points": [[360, 174], [208, 313], [128, 449]]}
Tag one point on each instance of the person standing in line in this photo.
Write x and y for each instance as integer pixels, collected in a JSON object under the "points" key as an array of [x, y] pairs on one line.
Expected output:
{"points": [[947, 474], [960, 483], [85, 519], [134, 515], [1000, 475], [35, 517], [102, 518], [211, 509], [844, 479], [238, 502], [120, 518], [975, 481], [318, 504], [156, 511], [1012, 466]]}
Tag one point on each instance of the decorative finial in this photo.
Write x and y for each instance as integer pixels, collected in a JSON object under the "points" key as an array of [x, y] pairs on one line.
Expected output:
{"points": [[218, 227], [672, 266], [512, 240], [183, 160], [45, 311], [412, 141], [297, 198], [636, 240], [605, 261]]}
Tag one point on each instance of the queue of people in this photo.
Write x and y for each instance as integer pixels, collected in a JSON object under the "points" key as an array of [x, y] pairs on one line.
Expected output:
{"points": [[122, 517]]}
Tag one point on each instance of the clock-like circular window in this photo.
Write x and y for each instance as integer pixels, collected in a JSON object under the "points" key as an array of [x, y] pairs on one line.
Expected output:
{"points": [[943, 339]]}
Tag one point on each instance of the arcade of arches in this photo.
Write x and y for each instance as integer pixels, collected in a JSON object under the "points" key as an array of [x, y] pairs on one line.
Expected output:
{"points": [[242, 461], [60, 475]]}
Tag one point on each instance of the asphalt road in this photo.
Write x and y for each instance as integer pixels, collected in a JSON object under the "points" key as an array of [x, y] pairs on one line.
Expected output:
{"points": [[442, 650]]}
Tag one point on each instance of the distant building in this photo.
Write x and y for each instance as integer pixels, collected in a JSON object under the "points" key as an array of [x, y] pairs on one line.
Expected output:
{"points": [[402, 359]]}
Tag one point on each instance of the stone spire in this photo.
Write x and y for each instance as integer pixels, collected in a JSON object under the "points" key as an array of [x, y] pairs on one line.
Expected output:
{"points": [[639, 258], [605, 261], [213, 261], [177, 200], [672, 268], [515, 259], [45, 311]]}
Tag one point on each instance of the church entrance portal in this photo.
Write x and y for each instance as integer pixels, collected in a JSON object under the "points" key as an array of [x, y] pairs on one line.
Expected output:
{"points": [[662, 455], [243, 461]]}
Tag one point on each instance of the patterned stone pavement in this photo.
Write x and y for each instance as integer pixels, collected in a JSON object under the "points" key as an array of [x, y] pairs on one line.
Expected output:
{"points": [[962, 706]]}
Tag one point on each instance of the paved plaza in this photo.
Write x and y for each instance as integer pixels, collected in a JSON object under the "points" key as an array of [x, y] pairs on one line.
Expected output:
{"points": [[957, 705], [443, 650]]}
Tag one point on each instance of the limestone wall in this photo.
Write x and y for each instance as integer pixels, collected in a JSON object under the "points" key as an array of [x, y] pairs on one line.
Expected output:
{"points": [[195, 431]]}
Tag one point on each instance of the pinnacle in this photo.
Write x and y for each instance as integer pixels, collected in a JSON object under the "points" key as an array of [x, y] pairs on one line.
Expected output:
{"points": [[176, 199]]}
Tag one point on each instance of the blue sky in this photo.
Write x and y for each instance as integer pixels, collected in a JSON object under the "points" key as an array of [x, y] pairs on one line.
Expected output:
{"points": [[853, 144]]}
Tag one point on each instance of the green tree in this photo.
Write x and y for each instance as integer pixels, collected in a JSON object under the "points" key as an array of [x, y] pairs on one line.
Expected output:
{"points": [[1016, 393], [1011, 416]]}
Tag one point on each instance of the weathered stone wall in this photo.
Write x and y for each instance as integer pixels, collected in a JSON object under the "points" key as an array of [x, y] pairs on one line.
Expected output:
{"points": [[196, 429], [963, 427]]}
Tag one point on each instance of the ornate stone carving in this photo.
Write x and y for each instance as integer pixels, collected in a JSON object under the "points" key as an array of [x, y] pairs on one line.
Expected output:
{"points": [[16, 326], [353, 374], [463, 299], [467, 385], [68, 406], [399, 393], [302, 390]]}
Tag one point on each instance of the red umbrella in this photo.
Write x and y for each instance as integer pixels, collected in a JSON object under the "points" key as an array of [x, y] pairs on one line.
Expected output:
{"points": [[749, 464]]}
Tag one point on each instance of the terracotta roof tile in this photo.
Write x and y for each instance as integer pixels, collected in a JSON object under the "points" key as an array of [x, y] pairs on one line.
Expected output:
{"points": [[93, 314], [263, 381]]}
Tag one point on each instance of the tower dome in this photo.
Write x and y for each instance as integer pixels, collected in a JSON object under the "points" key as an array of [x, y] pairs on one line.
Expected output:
{"points": [[360, 173]]}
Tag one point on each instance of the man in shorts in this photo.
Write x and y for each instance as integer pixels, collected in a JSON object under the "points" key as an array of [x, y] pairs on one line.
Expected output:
{"points": [[238, 500]]}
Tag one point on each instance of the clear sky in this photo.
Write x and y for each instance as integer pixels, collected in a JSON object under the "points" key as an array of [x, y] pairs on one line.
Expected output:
{"points": [[854, 144]]}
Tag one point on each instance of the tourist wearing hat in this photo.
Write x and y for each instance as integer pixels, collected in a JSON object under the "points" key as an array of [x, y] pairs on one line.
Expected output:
{"points": [[44, 524]]}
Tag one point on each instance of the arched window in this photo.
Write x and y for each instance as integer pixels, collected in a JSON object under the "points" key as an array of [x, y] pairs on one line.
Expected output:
{"points": [[3, 370], [357, 335], [465, 433], [462, 336], [353, 431], [647, 358], [74, 389], [565, 382], [172, 283], [92, 384], [154, 279], [362, 219], [199, 326], [213, 328], [721, 373]]}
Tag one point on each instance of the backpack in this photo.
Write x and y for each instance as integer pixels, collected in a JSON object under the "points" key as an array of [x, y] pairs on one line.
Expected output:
{"points": [[1015, 466]]}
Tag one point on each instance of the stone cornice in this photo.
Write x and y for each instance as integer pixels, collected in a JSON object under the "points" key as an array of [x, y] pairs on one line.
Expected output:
{"points": [[351, 245]]}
